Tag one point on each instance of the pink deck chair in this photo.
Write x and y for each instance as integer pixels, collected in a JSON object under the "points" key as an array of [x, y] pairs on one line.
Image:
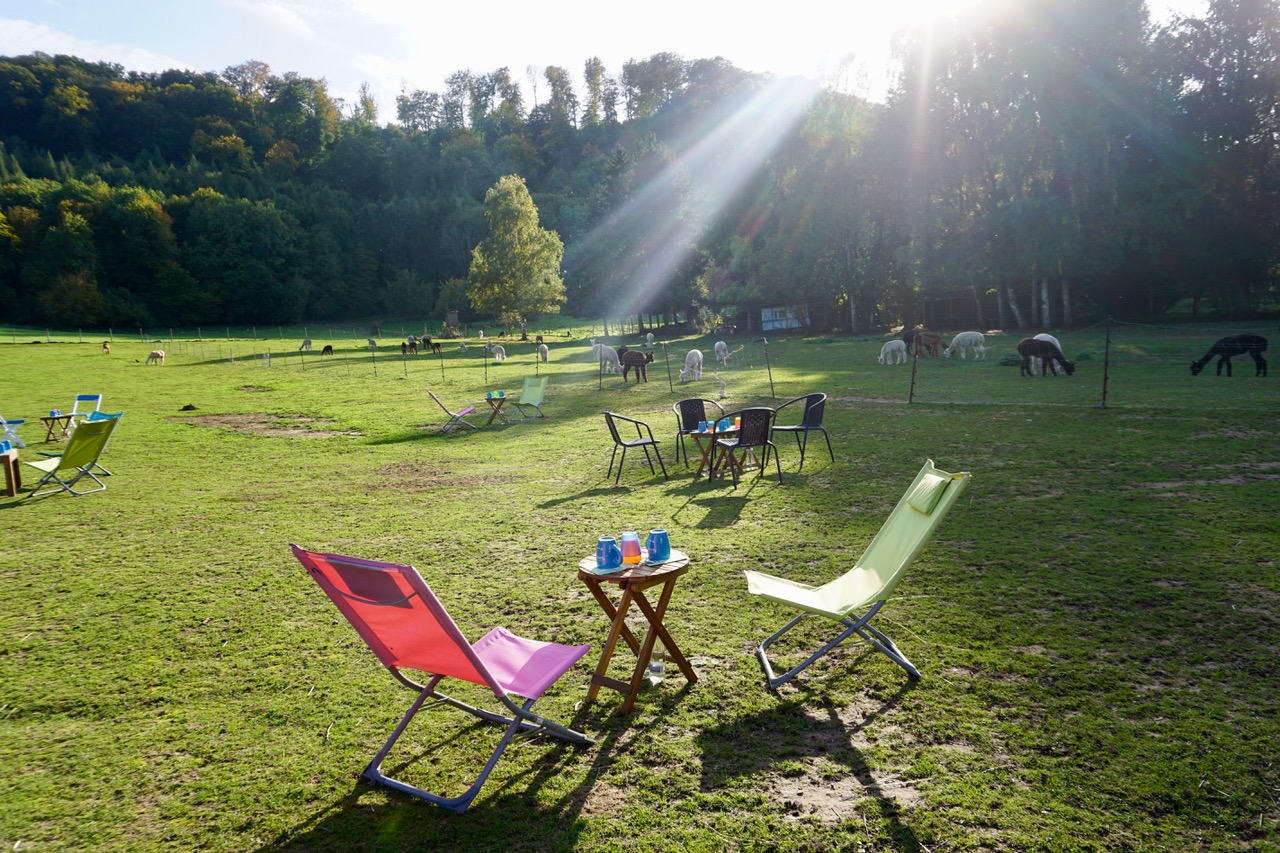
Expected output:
{"points": [[406, 626]]}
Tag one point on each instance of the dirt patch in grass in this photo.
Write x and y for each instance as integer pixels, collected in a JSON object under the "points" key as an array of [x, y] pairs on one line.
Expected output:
{"points": [[424, 477], [258, 423]]}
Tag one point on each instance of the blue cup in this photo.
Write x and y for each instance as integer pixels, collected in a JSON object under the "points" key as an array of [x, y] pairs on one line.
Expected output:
{"points": [[6, 446], [608, 554], [659, 546], [702, 426], [724, 425]]}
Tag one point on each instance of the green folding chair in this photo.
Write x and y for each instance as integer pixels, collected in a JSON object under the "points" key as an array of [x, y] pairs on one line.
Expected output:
{"points": [[873, 577], [73, 464], [531, 397]]}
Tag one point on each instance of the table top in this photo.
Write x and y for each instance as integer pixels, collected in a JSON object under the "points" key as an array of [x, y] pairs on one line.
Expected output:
{"points": [[55, 418], [678, 560]]}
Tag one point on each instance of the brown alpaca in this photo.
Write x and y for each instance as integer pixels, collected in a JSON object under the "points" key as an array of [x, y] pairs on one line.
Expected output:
{"points": [[1030, 348], [637, 359], [106, 348], [926, 341]]}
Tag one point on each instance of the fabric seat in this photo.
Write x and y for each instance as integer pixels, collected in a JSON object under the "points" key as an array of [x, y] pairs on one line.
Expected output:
{"points": [[689, 413], [76, 460], [753, 435], [456, 419], [398, 616], [93, 416], [811, 421], [531, 397], [873, 577], [644, 440]]}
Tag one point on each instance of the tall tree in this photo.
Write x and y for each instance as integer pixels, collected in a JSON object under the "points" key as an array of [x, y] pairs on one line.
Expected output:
{"points": [[515, 271]]}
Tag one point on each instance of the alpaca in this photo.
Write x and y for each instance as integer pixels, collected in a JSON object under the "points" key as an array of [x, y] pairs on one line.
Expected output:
{"points": [[462, 347], [649, 340], [692, 365], [1251, 345], [926, 341], [542, 352], [1030, 348], [156, 357], [966, 341], [722, 353], [106, 348], [436, 348], [328, 350], [372, 343], [413, 345], [638, 360], [607, 357], [404, 348], [306, 345], [499, 353], [893, 352], [1035, 362]]}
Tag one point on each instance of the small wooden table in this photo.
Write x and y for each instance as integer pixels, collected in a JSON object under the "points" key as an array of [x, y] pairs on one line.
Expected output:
{"points": [[12, 474], [633, 581], [57, 427], [496, 404], [717, 463]]}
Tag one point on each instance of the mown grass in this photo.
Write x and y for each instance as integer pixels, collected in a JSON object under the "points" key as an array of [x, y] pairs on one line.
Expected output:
{"points": [[1096, 622]]}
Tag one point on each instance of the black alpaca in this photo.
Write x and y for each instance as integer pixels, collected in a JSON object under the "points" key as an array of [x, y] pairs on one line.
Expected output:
{"points": [[1251, 345], [1030, 348]]}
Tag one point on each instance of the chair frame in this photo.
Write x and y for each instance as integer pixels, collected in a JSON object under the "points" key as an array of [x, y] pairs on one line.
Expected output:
{"points": [[809, 422], [852, 623], [682, 421], [531, 383], [96, 399], [456, 419], [735, 443], [640, 441], [519, 718], [81, 453], [93, 416], [9, 432]]}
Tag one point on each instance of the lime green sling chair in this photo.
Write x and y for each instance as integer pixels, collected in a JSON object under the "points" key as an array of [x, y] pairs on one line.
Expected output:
{"points": [[872, 579], [531, 397], [75, 462]]}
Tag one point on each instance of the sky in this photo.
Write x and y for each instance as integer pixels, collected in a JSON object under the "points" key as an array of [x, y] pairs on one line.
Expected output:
{"points": [[399, 45]]}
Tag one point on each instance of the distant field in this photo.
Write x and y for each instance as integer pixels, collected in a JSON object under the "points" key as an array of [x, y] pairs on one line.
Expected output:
{"points": [[1095, 623]]}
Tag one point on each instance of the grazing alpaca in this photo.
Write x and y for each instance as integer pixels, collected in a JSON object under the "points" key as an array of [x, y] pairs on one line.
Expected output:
{"points": [[607, 356], [106, 348], [328, 350], [722, 353], [306, 345], [462, 347], [1030, 348], [967, 341], [692, 365], [499, 353], [926, 341], [637, 359], [1035, 363], [893, 352], [413, 346], [542, 352], [156, 357], [1251, 345]]}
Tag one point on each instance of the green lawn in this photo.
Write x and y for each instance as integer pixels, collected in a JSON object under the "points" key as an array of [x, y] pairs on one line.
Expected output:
{"points": [[1096, 622]]}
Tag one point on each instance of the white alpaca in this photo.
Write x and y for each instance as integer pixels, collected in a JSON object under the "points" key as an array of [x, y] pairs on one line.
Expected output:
{"points": [[649, 340], [609, 356], [306, 344], [692, 365], [722, 353], [462, 346], [542, 352], [156, 357], [967, 341], [1058, 370], [499, 353], [893, 352]]}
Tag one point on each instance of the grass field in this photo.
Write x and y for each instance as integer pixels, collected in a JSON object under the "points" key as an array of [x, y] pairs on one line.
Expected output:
{"points": [[1096, 622]]}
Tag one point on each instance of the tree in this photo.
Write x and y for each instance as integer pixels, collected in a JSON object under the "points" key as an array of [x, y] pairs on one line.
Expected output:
{"points": [[516, 269]]}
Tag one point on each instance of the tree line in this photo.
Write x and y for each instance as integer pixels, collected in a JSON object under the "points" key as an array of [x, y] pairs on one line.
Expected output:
{"points": [[1042, 163]]}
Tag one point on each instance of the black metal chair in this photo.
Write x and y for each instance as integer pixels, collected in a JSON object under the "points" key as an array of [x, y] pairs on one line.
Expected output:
{"points": [[644, 440], [814, 407], [688, 413], [753, 434]]}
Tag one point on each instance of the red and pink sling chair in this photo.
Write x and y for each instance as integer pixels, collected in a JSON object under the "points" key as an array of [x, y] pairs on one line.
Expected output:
{"points": [[406, 626]]}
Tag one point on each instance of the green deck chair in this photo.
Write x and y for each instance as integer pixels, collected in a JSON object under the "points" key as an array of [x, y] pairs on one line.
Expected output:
{"points": [[74, 463], [531, 397], [872, 579]]}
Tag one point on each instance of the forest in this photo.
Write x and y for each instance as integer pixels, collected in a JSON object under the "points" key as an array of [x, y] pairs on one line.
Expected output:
{"points": [[1047, 167]]}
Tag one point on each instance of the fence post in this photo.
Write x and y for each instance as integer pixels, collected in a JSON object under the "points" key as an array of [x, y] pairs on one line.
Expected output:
{"points": [[1106, 364]]}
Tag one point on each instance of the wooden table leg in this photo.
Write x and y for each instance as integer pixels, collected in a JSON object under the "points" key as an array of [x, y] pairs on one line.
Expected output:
{"points": [[606, 654], [12, 474], [656, 617]]}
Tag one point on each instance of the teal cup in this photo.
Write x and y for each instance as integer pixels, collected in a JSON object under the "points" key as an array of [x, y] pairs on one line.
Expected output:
{"points": [[608, 554], [659, 546]]}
